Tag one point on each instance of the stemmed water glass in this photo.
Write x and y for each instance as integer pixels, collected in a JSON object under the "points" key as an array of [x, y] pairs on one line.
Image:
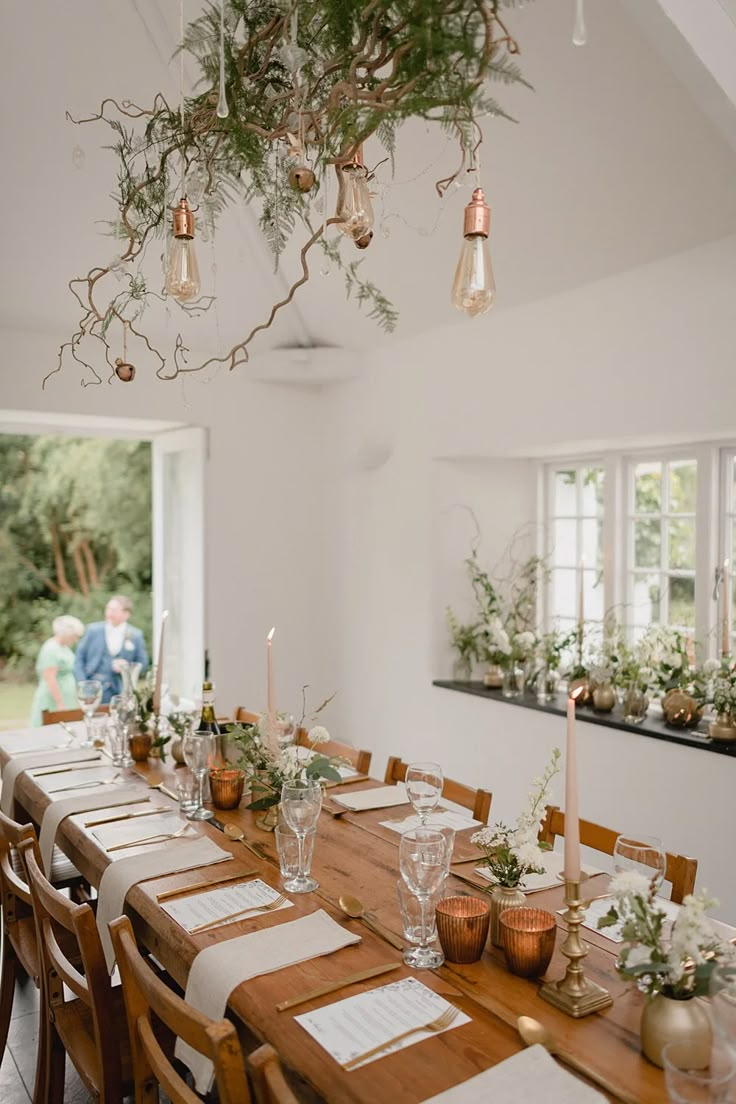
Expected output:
{"points": [[89, 693], [644, 854], [199, 749], [422, 856], [723, 1002], [424, 787], [125, 716], [301, 803]]}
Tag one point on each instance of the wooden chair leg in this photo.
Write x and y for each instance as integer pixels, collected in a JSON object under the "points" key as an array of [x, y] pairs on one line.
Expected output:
{"points": [[39, 1085], [55, 1067], [8, 975]]}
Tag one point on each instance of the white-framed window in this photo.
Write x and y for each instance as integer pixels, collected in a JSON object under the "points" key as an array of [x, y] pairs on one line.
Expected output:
{"points": [[574, 547], [646, 531]]}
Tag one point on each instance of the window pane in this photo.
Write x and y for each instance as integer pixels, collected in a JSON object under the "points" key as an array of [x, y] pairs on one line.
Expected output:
{"points": [[648, 488], [592, 483], [647, 540], [593, 544], [563, 592], [565, 494], [647, 599], [593, 595], [733, 482], [564, 546], [683, 485], [682, 545], [682, 602]]}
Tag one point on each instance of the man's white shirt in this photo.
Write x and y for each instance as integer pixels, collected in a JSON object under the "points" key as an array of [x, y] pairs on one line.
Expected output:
{"points": [[115, 637]]}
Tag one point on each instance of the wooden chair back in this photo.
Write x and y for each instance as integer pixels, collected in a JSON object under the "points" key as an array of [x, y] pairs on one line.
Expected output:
{"points": [[15, 891], [82, 1025], [244, 716], [267, 1077], [478, 801], [679, 870], [147, 998], [51, 716], [357, 758]]}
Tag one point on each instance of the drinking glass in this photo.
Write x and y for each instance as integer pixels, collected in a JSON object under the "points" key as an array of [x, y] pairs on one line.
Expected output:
{"points": [[117, 737], [127, 715], [98, 729], [114, 705], [287, 845], [424, 787], [411, 913], [301, 803], [422, 856], [198, 749], [645, 854], [186, 791], [89, 694], [723, 1003], [715, 1083]]}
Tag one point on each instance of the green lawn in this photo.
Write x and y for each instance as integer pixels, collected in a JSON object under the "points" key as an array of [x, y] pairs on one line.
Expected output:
{"points": [[15, 704]]}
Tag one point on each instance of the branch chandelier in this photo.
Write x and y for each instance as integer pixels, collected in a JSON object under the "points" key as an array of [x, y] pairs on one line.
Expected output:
{"points": [[295, 91]]}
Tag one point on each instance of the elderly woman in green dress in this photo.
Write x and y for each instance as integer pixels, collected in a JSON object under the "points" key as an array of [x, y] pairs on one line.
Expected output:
{"points": [[57, 687]]}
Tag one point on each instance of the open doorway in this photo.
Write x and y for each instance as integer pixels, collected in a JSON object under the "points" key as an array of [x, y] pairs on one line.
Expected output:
{"points": [[91, 508]]}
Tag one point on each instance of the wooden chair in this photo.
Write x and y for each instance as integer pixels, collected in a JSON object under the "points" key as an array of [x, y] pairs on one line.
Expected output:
{"points": [[267, 1077], [679, 870], [358, 759], [149, 1003], [50, 716], [84, 1014], [478, 801]]}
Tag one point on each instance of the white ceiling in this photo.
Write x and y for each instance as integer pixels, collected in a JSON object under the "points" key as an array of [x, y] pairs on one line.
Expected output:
{"points": [[612, 165]]}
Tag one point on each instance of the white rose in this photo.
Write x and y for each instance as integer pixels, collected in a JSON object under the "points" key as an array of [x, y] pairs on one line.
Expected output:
{"points": [[638, 955]]}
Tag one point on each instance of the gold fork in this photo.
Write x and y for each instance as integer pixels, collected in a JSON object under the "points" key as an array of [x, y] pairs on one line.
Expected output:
{"points": [[158, 786], [86, 785], [438, 1024], [276, 903], [160, 837]]}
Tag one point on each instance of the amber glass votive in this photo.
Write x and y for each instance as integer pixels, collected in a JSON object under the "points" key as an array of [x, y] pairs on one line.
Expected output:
{"points": [[140, 746], [462, 927], [528, 939], [226, 786]]}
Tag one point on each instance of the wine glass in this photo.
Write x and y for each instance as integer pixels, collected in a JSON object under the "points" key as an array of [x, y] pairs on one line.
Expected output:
{"points": [[424, 787], [198, 749], [126, 716], [723, 1002], [644, 854], [422, 856], [89, 693], [300, 804]]}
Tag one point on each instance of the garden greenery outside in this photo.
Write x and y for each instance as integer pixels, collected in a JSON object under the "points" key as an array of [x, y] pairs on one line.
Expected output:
{"points": [[75, 528]]}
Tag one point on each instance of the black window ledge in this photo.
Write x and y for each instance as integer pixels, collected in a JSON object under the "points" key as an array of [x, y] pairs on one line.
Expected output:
{"points": [[652, 725]]}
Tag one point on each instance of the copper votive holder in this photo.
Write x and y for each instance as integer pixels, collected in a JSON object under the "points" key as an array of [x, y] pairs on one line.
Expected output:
{"points": [[528, 939], [140, 746], [462, 927], [226, 786]]}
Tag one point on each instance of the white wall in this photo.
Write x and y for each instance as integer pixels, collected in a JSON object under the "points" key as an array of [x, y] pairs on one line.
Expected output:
{"points": [[649, 353], [265, 467]]}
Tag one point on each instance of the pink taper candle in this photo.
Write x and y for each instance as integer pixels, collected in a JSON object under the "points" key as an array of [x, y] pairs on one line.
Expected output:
{"points": [[271, 692], [159, 667], [572, 819], [726, 622]]}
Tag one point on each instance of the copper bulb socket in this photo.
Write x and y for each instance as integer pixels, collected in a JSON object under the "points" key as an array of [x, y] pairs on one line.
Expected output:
{"points": [[183, 219], [477, 216]]}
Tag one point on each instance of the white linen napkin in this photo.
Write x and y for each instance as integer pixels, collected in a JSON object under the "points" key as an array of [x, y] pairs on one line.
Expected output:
{"points": [[382, 797], [531, 1074], [20, 763], [31, 739], [553, 862], [121, 876], [82, 802], [219, 969]]}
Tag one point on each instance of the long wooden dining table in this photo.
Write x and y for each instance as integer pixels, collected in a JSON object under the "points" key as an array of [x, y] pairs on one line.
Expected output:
{"points": [[354, 854]]}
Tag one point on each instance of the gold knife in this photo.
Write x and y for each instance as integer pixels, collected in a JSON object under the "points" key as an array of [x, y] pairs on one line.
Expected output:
{"points": [[169, 893], [341, 983], [81, 764], [128, 816]]}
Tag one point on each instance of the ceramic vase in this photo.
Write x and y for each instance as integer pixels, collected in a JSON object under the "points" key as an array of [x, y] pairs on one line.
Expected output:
{"points": [[686, 1022], [502, 897], [723, 728]]}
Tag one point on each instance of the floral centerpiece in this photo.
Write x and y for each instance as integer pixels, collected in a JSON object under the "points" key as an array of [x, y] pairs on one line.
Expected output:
{"points": [[722, 695], [669, 963], [511, 854]]}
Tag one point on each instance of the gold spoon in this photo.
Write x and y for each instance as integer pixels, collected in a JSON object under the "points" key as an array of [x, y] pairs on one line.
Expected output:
{"points": [[355, 909], [532, 1031], [233, 832]]}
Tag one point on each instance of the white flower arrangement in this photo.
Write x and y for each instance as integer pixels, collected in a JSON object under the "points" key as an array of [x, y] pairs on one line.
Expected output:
{"points": [[678, 963], [723, 692], [513, 853]]}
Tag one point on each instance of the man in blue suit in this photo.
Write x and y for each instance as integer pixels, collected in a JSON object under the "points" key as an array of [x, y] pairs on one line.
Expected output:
{"points": [[107, 645]]}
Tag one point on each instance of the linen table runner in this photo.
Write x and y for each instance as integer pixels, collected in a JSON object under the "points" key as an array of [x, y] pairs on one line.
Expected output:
{"points": [[119, 877], [83, 802], [527, 1076], [20, 763], [219, 969]]}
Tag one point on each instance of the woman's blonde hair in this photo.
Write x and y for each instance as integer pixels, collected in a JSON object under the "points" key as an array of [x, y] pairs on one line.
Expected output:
{"points": [[66, 625]]}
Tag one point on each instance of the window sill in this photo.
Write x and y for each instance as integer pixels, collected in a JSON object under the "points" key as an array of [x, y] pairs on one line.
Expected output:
{"points": [[651, 726]]}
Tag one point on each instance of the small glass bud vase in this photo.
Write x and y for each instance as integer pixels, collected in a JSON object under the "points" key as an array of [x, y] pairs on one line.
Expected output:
{"points": [[547, 682], [501, 898], [634, 702], [513, 681], [493, 678]]}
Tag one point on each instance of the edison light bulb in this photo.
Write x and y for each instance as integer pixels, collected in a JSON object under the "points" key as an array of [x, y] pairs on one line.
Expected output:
{"points": [[473, 289], [354, 207], [182, 271]]}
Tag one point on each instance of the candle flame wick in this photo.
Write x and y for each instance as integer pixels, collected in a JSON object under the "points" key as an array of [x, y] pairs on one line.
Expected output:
{"points": [[575, 694], [269, 638]]}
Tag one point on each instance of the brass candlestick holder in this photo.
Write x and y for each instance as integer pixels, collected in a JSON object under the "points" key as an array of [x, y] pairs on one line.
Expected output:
{"points": [[574, 993]]}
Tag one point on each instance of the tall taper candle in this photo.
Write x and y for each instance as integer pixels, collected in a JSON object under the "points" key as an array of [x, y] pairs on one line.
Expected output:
{"points": [[726, 610], [159, 666], [271, 691], [572, 821]]}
